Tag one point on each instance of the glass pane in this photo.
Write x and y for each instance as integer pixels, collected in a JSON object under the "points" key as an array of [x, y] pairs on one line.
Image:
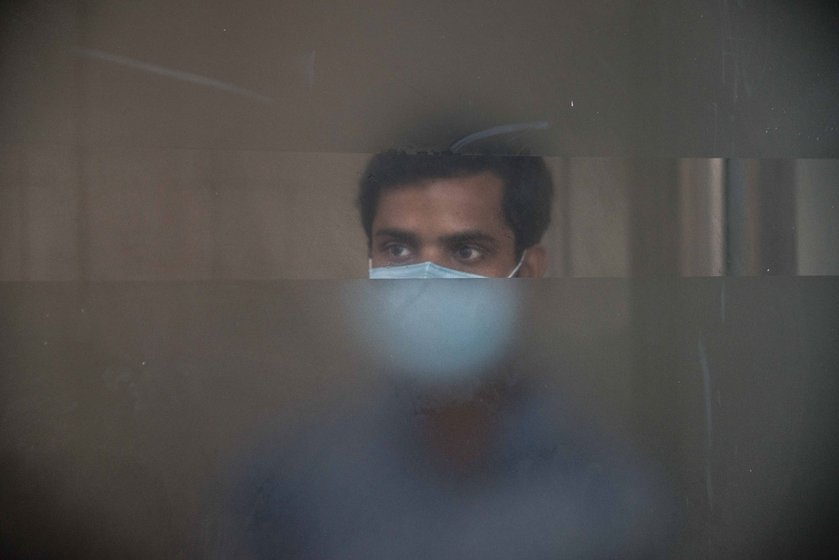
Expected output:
{"points": [[157, 418], [193, 361]]}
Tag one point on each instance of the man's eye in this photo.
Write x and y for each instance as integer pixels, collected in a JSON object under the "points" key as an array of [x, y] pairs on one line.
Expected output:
{"points": [[397, 251], [468, 253]]}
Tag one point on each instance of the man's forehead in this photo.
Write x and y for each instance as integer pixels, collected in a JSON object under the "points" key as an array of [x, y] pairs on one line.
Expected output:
{"points": [[475, 197]]}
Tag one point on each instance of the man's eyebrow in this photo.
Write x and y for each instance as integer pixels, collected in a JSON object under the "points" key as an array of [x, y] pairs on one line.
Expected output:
{"points": [[471, 236], [459, 238], [397, 234]]}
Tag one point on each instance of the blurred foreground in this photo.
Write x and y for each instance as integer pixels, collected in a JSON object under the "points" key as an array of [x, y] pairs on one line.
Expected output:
{"points": [[131, 412]]}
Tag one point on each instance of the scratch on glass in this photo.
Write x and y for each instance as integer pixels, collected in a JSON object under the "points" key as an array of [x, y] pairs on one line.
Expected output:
{"points": [[170, 73]]}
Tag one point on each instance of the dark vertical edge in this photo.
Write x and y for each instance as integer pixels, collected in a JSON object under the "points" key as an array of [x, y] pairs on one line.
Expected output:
{"points": [[654, 217], [777, 229], [761, 229], [735, 211], [726, 220], [564, 227]]}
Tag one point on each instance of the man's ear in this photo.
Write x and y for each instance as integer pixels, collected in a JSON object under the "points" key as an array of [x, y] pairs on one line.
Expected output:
{"points": [[534, 264]]}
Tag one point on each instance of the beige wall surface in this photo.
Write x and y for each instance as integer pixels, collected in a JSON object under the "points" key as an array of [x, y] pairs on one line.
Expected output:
{"points": [[179, 214], [193, 214], [197, 214]]}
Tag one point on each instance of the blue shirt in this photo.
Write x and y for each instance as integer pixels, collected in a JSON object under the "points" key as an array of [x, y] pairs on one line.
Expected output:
{"points": [[361, 485]]}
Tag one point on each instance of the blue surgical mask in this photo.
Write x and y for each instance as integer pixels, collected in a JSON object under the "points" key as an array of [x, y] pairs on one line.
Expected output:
{"points": [[441, 335], [426, 270]]}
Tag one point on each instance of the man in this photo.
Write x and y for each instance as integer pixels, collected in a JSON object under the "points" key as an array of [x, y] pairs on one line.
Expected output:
{"points": [[444, 215], [479, 215], [461, 456]]}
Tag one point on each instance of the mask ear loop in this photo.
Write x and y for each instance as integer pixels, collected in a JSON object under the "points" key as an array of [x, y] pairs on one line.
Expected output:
{"points": [[518, 266]]}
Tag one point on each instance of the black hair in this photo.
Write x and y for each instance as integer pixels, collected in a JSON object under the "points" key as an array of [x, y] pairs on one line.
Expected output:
{"points": [[528, 186]]}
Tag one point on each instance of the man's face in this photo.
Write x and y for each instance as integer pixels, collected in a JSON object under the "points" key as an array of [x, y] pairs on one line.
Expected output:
{"points": [[457, 223]]}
